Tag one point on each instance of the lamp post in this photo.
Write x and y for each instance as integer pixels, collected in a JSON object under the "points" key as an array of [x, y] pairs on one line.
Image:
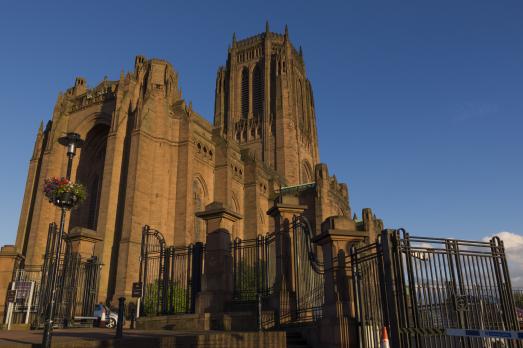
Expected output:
{"points": [[72, 141]]}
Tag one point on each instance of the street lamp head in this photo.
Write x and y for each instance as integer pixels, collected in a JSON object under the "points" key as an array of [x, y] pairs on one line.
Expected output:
{"points": [[72, 141]]}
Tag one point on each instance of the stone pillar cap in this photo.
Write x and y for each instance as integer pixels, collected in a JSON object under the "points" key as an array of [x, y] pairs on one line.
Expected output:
{"points": [[9, 250], [218, 210], [285, 207], [83, 233], [339, 228]]}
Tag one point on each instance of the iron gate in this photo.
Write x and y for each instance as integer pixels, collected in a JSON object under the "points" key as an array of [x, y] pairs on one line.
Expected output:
{"points": [[308, 273], [419, 287], [369, 292], [254, 268], [255, 274], [170, 276], [76, 283]]}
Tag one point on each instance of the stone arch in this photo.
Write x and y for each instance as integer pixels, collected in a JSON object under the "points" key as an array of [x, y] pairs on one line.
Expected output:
{"points": [[90, 173], [203, 184], [306, 172], [261, 217], [87, 123], [199, 199], [236, 207]]}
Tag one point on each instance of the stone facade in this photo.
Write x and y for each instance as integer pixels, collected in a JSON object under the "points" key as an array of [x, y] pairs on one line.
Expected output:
{"points": [[150, 158]]}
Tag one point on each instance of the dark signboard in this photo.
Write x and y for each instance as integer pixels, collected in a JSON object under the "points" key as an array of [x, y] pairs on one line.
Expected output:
{"points": [[11, 295], [137, 289], [23, 290]]}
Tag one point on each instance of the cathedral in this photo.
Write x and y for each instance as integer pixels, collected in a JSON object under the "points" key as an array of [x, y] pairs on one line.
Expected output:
{"points": [[150, 159]]}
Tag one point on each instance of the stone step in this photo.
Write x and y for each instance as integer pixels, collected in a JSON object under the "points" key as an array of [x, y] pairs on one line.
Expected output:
{"points": [[295, 340]]}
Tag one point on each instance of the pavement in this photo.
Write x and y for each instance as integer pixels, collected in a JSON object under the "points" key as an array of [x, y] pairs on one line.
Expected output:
{"points": [[81, 337]]}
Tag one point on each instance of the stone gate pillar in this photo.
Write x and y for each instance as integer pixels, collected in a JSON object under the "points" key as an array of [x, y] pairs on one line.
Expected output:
{"points": [[9, 261], [283, 211], [217, 284], [83, 241], [337, 327]]}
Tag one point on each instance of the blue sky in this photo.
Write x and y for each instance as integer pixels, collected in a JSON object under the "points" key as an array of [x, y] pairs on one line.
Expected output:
{"points": [[419, 104]]}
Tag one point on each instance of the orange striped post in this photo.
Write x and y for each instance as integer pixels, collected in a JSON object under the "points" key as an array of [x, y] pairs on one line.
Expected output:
{"points": [[384, 338]]}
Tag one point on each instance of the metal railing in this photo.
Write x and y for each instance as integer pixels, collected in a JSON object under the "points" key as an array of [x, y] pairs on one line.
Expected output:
{"points": [[419, 287], [76, 284], [299, 288], [170, 276], [309, 280], [254, 268]]}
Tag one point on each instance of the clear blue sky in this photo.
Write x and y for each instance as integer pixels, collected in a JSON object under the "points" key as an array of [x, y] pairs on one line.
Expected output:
{"points": [[419, 104]]}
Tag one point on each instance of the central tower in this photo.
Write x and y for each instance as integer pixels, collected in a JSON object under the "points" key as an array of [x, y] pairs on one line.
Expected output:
{"points": [[264, 102]]}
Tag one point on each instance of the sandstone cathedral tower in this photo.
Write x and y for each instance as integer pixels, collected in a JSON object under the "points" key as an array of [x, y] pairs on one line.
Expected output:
{"points": [[150, 158]]}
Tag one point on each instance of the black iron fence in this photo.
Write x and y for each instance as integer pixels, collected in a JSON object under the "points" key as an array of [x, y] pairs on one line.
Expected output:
{"points": [[298, 285], [254, 268], [76, 284], [370, 297], [518, 297], [170, 276], [309, 280], [420, 287]]}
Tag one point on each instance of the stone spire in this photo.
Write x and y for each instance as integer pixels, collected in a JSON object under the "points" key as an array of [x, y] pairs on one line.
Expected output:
{"points": [[38, 141]]}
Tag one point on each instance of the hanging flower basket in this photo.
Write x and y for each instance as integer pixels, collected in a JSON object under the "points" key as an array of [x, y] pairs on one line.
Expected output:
{"points": [[63, 193]]}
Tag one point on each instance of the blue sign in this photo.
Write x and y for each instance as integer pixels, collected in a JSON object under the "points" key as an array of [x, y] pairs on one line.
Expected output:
{"points": [[511, 335]]}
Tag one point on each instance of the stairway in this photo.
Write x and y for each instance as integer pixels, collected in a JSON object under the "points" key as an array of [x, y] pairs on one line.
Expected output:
{"points": [[295, 340]]}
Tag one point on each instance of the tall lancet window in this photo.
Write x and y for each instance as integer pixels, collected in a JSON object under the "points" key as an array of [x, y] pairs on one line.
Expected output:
{"points": [[197, 206], [93, 202], [301, 114], [245, 92], [257, 91]]}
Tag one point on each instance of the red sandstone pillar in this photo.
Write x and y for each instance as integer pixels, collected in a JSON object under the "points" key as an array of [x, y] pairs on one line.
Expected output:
{"points": [[283, 211], [217, 284], [337, 327], [9, 261]]}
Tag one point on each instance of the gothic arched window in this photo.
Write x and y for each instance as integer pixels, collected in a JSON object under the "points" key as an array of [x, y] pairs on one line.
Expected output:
{"points": [[245, 92], [93, 203], [257, 91], [306, 172], [301, 114], [197, 206], [236, 207]]}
